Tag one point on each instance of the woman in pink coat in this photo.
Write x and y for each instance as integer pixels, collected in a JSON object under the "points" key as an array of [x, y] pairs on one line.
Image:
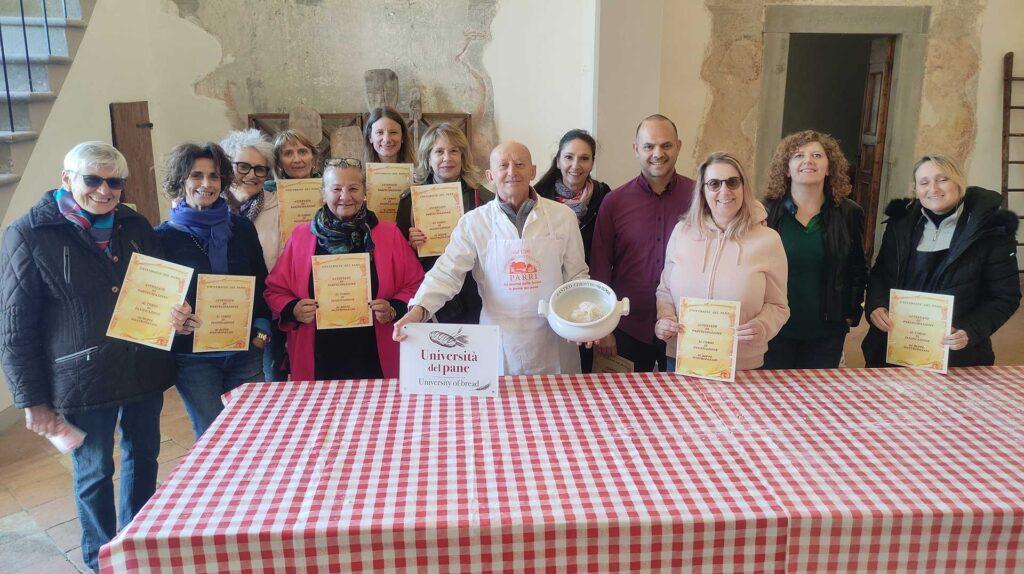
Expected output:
{"points": [[343, 225], [723, 250]]}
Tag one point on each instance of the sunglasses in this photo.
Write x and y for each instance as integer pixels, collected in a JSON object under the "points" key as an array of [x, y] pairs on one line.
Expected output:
{"points": [[732, 183], [339, 161], [243, 168], [94, 181]]}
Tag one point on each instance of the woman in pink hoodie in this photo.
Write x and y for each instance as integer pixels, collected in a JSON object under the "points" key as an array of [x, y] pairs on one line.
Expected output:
{"points": [[721, 249]]}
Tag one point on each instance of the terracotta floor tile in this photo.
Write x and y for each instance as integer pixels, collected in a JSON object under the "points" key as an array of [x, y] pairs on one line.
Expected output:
{"points": [[169, 450], [8, 504], [75, 557], [42, 491], [66, 536], [55, 512], [56, 565], [166, 468]]}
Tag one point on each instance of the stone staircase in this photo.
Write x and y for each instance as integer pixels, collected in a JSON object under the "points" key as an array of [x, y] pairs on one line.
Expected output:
{"points": [[31, 78]]}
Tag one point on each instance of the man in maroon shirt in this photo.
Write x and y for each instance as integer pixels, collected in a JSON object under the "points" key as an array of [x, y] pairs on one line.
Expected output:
{"points": [[633, 227]]}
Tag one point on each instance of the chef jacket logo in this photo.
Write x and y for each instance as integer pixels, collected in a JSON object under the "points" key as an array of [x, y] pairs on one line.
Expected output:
{"points": [[521, 273]]}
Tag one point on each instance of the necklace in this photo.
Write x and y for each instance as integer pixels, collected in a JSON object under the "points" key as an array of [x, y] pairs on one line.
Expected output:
{"points": [[196, 241]]}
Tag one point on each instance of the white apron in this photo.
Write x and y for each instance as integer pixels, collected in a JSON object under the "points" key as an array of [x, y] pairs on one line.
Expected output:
{"points": [[518, 273]]}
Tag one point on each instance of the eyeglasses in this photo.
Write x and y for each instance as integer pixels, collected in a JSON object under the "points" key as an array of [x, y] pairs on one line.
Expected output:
{"points": [[94, 181], [243, 168], [340, 161], [732, 183]]}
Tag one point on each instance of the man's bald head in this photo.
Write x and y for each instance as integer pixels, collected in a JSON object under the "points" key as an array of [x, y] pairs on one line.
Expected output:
{"points": [[657, 118], [511, 171]]}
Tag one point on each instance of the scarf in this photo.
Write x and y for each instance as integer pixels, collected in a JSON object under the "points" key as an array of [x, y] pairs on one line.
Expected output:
{"points": [[344, 235], [99, 227], [577, 201], [250, 208], [211, 229]]}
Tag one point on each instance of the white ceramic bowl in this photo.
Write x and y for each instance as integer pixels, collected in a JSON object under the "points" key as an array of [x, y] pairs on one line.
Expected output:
{"points": [[567, 298]]}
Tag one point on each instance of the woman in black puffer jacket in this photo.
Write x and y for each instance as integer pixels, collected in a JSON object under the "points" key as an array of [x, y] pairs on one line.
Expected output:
{"points": [[954, 240], [63, 264]]}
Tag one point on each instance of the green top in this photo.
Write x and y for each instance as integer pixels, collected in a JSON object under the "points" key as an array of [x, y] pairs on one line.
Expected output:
{"points": [[805, 250]]}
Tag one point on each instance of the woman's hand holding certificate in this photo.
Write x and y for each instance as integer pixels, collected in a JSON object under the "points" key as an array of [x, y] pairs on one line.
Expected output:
{"points": [[436, 210], [152, 291]]}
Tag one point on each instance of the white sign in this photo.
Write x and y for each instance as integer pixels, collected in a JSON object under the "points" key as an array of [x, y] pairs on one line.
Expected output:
{"points": [[453, 360]]}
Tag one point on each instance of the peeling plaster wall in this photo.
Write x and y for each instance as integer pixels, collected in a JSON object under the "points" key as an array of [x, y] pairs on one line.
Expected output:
{"points": [[730, 74]]}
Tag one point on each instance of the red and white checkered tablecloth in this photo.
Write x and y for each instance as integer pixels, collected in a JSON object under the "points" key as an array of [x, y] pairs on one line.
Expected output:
{"points": [[812, 471]]}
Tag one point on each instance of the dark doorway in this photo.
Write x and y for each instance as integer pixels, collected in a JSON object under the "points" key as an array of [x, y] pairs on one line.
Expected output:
{"points": [[839, 84]]}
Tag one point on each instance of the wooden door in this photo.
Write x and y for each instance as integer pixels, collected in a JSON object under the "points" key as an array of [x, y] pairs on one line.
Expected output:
{"points": [[130, 129], [874, 117]]}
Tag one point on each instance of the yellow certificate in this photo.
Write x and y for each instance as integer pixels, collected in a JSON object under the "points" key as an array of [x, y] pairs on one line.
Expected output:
{"points": [[151, 288], [224, 304], [707, 346], [613, 364], [385, 183], [342, 287], [919, 322], [298, 200], [436, 210]]}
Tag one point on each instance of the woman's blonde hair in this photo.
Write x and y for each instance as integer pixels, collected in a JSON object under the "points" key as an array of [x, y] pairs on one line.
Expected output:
{"points": [[454, 136], [699, 215], [948, 165], [837, 182]]}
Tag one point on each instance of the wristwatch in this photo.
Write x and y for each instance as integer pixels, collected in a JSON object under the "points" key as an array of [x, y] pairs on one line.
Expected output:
{"points": [[260, 335]]}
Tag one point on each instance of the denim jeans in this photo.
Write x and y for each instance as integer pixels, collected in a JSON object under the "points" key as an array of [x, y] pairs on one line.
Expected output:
{"points": [[274, 356], [202, 379], [93, 465]]}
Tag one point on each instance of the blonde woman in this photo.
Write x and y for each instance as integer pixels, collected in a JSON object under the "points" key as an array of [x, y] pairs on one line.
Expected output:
{"points": [[950, 239], [445, 157], [721, 249]]}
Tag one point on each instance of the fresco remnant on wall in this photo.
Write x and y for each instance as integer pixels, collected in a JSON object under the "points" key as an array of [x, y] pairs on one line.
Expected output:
{"points": [[315, 52]]}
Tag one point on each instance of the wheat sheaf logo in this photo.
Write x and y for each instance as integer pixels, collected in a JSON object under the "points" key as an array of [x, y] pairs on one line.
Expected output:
{"points": [[448, 340]]}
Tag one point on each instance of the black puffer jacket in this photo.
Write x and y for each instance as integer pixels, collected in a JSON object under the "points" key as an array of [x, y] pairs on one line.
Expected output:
{"points": [[846, 274], [57, 293], [980, 272]]}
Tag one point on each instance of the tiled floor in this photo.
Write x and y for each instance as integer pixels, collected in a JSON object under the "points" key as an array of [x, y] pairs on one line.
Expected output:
{"points": [[39, 531], [38, 526]]}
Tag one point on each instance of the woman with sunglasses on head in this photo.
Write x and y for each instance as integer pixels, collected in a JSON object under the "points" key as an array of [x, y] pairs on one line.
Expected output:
{"points": [[63, 264], [721, 249], [203, 234], [445, 157], [386, 138], [823, 234], [951, 239], [343, 224]]}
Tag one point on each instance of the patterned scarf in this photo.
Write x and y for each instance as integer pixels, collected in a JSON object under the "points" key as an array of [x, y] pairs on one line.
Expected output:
{"points": [[577, 201], [211, 228], [250, 208], [99, 227], [344, 235]]}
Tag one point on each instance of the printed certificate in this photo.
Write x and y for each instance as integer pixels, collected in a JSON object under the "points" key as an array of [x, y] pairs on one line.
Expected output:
{"points": [[151, 288], [450, 360], [436, 210], [385, 183], [613, 364], [707, 346], [298, 200], [342, 287], [224, 305], [919, 322]]}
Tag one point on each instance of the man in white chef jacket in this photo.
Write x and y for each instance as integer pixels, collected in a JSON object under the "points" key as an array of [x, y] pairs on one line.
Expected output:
{"points": [[519, 248]]}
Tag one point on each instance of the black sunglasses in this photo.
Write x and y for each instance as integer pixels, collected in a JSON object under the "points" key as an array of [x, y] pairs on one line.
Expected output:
{"points": [[732, 183], [243, 168], [339, 161], [94, 181]]}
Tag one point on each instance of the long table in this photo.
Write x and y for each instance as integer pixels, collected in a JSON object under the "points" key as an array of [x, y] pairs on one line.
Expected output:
{"points": [[786, 471]]}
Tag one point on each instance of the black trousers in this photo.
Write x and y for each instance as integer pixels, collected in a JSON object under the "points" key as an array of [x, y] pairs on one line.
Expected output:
{"points": [[643, 355], [786, 353]]}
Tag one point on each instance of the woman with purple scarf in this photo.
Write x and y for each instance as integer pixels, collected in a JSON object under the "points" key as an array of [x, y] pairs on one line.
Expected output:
{"points": [[203, 234]]}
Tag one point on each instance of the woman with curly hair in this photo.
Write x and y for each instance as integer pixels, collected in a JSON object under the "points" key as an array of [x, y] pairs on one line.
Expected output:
{"points": [[823, 233]]}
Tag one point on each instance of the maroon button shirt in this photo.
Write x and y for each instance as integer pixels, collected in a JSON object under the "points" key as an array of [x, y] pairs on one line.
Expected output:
{"points": [[628, 253]]}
